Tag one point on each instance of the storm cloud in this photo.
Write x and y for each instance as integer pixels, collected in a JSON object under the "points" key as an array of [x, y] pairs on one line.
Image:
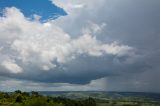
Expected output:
{"points": [[117, 41]]}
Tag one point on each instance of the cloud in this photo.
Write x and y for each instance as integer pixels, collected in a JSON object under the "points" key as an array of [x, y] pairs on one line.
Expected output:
{"points": [[40, 44], [13, 84], [134, 23], [113, 40], [11, 66]]}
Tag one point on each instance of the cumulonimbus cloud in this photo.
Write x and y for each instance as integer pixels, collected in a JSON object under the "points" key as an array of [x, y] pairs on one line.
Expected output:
{"points": [[26, 41], [84, 45]]}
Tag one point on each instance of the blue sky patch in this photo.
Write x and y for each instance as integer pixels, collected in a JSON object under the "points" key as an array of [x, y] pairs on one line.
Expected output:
{"points": [[44, 8]]}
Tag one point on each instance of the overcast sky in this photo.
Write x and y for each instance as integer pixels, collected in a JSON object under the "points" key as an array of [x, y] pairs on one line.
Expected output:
{"points": [[110, 45]]}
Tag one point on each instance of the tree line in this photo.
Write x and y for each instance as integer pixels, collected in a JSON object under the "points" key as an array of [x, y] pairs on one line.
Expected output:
{"points": [[19, 98]]}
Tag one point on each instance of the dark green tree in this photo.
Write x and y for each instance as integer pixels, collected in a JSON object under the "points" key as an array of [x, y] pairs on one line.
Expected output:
{"points": [[90, 102], [18, 91], [34, 93], [19, 99]]}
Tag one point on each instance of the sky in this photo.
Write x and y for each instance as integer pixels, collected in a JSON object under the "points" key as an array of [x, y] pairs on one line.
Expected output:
{"points": [[88, 45], [43, 8]]}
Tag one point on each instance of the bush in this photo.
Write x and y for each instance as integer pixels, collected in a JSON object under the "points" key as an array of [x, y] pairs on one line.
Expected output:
{"points": [[19, 99]]}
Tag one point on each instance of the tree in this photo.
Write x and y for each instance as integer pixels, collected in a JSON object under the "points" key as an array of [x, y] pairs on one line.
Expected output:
{"points": [[90, 102], [34, 93], [25, 94], [18, 92], [19, 99]]}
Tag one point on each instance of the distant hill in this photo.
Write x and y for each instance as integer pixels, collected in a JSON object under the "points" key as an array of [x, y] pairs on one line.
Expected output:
{"points": [[103, 95]]}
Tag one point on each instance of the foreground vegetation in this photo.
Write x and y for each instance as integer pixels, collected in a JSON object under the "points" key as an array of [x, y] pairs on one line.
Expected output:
{"points": [[19, 98]]}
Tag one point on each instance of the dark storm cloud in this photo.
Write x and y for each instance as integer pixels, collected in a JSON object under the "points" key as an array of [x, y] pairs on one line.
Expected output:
{"points": [[84, 69], [135, 23]]}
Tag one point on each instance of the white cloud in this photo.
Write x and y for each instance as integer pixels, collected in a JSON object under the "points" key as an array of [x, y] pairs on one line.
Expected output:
{"points": [[78, 5], [90, 45], [78, 18], [11, 66], [93, 28], [71, 6], [40, 44]]}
